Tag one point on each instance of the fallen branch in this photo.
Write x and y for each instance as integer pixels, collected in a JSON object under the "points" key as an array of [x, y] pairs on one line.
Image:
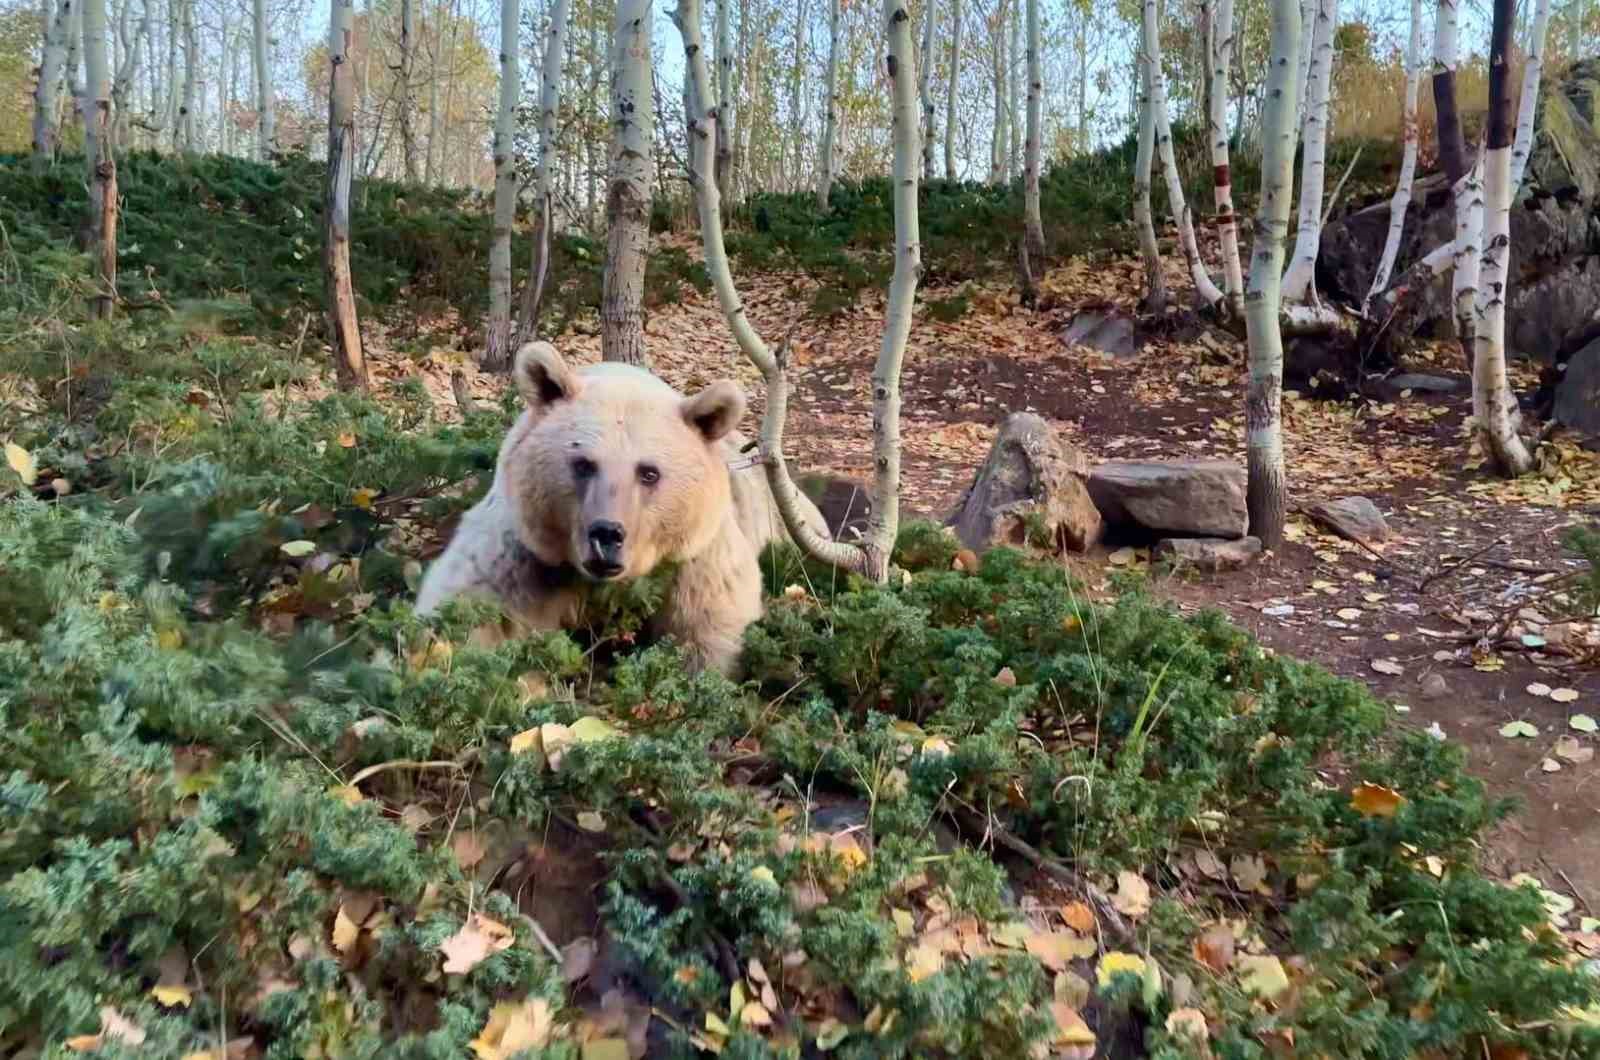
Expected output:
{"points": [[987, 828], [1446, 571]]}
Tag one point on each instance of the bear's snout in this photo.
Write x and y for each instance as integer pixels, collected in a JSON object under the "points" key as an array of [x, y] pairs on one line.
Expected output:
{"points": [[605, 548]]}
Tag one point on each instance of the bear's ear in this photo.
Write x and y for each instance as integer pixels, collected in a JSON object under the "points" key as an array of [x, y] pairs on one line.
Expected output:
{"points": [[715, 410], [543, 377]]}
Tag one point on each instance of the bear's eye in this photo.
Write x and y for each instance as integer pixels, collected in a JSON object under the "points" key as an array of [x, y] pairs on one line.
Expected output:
{"points": [[649, 474], [584, 468]]}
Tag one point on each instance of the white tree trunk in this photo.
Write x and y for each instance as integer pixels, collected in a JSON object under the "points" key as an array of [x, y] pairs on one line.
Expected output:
{"points": [[406, 89], [1298, 281], [497, 340], [591, 151], [344, 333], [1267, 492], [871, 556], [169, 111], [1532, 69], [127, 71], [191, 61], [1032, 222], [724, 100], [51, 67], [1494, 408], [1155, 282], [999, 137], [1205, 291], [102, 159], [1308, 14], [1013, 97], [1222, 37], [925, 89], [825, 160], [1408, 159], [795, 149], [549, 111], [950, 92], [628, 196], [266, 117]]}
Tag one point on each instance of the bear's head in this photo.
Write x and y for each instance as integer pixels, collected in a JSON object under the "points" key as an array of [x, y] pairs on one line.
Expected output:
{"points": [[611, 471]]}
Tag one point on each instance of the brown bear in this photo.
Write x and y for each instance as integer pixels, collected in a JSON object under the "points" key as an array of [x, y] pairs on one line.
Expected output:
{"points": [[608, 473]]}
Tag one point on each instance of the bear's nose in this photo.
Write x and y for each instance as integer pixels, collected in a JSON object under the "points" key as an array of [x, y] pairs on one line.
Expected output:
{"points": [[605, 535]]}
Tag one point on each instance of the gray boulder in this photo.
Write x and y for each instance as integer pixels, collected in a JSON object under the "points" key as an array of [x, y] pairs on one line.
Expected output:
{"points": [[1578, 394], [1210, 554], [1354, 518], [1031, 479], [1105, 330], [1199, 497]]}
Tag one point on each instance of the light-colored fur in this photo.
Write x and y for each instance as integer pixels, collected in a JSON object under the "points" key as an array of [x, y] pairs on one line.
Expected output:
{"points": [[525, 543]]}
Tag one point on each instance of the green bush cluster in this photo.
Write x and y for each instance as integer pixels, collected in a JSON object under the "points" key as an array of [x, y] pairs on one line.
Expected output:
{"points": [[178, 761]]}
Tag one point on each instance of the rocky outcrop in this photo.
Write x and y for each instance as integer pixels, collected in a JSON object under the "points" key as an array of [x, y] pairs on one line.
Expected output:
{"points": [[1577, 402], [1555, 233]]}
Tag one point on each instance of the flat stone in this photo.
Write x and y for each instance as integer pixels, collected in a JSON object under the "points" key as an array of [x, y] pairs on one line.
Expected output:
{"points": [[1031, 479], [1432, 384], [1204, 498], [1211, 554], [1354, 518], [1105, 330]]}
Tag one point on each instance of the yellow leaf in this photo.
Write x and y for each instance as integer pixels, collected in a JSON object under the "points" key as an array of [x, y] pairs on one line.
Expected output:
{"points": [[1079, 916], [1262, 975], [830, 1033], [1070, 1028], [524, 741], [346, 794], [345, 931], [172, 996], [470, 946], [1013, 935], [590, 730], [763, 874], [347, 440], [514, 1027], [1375, 800], [590, 821], [923, 961], [755, 1014], [717, 1025], [1055, 948], [1116, 962], [81, 1043], [22, 463], [903, 924], [169, 639], [1133, 894], [363, 497], [1187, 1023], [605, 1049]]}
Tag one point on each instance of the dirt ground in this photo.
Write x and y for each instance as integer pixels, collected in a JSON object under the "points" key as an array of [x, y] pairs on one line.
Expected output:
{"points": [[1467, 550]]}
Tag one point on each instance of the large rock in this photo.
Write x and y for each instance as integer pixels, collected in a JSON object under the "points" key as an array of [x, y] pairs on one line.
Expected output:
{"points": [[1200, 497], [1031, 479], [1355, 518], [845, 504], [1578, 394], [1555, 233], [1105, 330]]}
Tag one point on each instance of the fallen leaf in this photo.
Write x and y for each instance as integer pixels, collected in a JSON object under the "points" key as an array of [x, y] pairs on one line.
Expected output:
{"points": [[347, 440], [590, 821], [1070, 1028], [1514, 729], [605, 1049], [590, 730], [345, 931], [1079, 916], [755, 1014], [1005, 678], [1117, 962], [1550, 765], [1569, 748], [296, 549], [172, 996], [1349, 614], [524, 741], [470, 946], [1564, 695], [1187, 1023], [1262, 975], [468, 849], [1388, 666], [1122, 557], [1582, 723], [1055, 948], [1539, 688], [1375, 800], [904, 926], [22, 463], [1250, 873], [514, 1027], [1133, 894]]}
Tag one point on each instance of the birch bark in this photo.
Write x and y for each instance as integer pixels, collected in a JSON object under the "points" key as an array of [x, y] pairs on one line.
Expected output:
{"points": [[629, 193], [497, 347]]}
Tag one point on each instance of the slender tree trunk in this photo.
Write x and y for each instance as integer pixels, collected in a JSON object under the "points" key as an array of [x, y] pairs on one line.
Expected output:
{"points": [[1532, 69], [1032, 224], [51, 67], [999, 137], [225, 53], [925, 90], [1205, 291], [266, 117], [407, 90], [1575, 30], [724, 101], [591, 148], [191, 60], [498, 339], [1082, 44], [75, 94], [1298, 282], [1466, 181], [102, 159], [799, 118], [1408, 159], [1494, 409], [344, 334], [1267, 488], [450, 91], [170, 106], [1308, 14], [549, 111], [1013, 96], [122, 88], [951, 90], [1155, 280], [825, 160], [628, 197], [1221, 45]]}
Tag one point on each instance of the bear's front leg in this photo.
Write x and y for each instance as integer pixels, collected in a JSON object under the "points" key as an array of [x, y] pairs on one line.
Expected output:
{"points": [[715, 597]]}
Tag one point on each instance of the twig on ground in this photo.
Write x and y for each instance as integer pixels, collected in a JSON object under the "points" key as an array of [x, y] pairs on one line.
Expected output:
{"points": [[987, 827], [1449, 569]]}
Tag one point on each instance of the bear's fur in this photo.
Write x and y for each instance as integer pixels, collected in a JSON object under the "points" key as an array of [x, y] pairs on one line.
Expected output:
{"points": [[607, 474]]}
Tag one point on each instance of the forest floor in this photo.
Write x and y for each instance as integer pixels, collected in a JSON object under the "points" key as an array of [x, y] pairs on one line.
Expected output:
{"points": [[1467, 550]]}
